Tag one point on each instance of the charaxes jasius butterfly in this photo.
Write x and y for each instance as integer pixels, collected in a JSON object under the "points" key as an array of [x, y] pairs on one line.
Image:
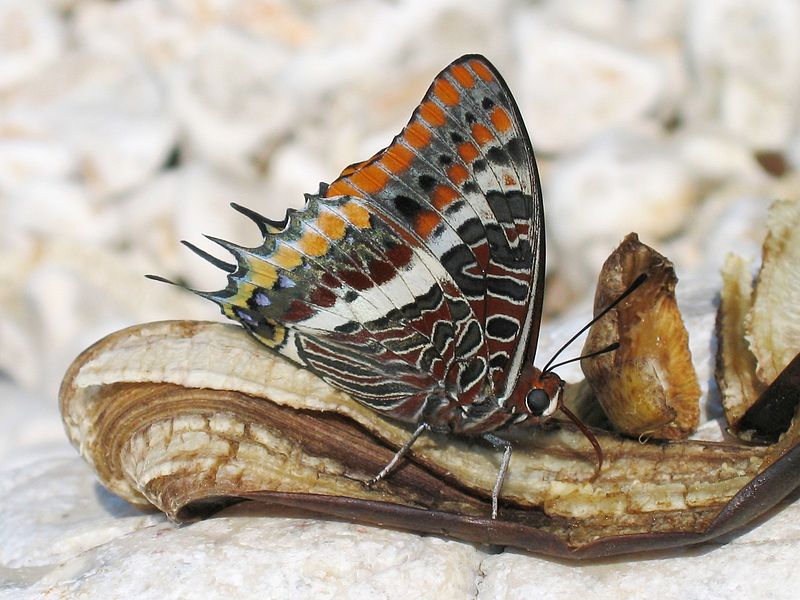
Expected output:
{"points": [[414, 281]]}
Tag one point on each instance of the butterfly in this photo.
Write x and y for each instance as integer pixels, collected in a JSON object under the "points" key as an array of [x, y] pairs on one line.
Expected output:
{"points": [[414, 281]]}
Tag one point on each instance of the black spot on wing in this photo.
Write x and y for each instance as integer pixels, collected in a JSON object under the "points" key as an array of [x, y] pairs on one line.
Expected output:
{"points": [[456, 260], [501, 327], [408, 207], [470, 341], [349, 327], [471, 231], [507, 288], [426, 182], [472, 372], [517, 151]]}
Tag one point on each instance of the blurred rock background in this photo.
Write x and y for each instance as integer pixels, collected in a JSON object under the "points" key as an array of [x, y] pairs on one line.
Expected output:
{"points": [[126, 126]]}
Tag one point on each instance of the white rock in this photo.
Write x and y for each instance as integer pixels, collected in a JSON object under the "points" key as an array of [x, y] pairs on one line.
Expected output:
{"points": [[29, 153], [54, 511], [746, 57], [571, 87], [717, 156], [160, 33], [619, 184], [31, 38], [108, 111], [185, 203], [229, 102]]}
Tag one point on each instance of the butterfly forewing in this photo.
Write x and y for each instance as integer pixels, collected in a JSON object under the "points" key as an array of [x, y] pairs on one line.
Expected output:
{"points": [[462, 176], [415, 276]]}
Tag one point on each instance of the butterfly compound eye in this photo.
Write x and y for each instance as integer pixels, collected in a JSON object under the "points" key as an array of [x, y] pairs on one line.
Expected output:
{"points": [[537, 401]]}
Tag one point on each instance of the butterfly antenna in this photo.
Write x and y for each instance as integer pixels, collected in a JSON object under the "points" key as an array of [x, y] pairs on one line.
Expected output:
{"points": [[610, 348], [636, 283], [585, 431]]}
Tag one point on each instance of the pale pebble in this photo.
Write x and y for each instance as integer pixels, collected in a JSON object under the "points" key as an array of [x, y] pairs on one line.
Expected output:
{"points": [[31, 38], [746, 60], [29, 153], [185, 203], [716, 156], [572, 87], [227, 102], [619, 184], [109, 111]]}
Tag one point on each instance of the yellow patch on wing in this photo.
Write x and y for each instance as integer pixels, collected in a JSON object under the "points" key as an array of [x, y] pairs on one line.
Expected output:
{"points": [[261, 273], [331, 225], [356, 214], [313, 244], [286, 257], [279, 334]]}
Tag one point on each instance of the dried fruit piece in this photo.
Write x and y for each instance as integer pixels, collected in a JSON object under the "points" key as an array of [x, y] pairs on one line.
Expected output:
{"points": [[648, 386], [773, 323], [192, 416], [759, 333], [735, 364]]}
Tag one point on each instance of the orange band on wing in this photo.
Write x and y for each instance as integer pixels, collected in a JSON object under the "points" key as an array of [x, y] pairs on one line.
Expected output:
{"points": [[370, 179], [445, 92], [340, 187], [481, 134], [426, 222], [481, 70], [417, 135], [457, 174], [397, 158], [462, 76], [500, 119], [468, 152], [432, 114], [443, 195]]}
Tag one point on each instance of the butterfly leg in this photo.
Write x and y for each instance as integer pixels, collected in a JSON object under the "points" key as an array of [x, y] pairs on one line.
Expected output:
{"points": [[505, 445], [421, 428]]}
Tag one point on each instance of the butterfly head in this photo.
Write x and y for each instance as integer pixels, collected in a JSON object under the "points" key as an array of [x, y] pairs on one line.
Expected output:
{"points": [[538, 398]]}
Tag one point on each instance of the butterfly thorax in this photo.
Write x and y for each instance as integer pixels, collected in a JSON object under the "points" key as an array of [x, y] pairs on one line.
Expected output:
{"points": [[533, 400]]}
